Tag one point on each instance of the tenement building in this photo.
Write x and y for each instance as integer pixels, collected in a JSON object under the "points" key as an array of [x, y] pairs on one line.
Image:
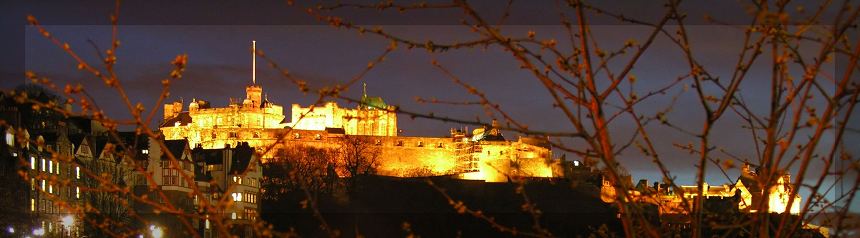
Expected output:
{"points": [[480, 154]]}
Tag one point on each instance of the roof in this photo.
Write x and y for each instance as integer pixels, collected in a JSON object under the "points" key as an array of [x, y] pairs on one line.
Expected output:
{"points": [[536, 141], [210, 156], [134, 142], [373, 102], [77, 140], [332, 130], [183, 118], [242, 156], [176, 147], [80, 124], [198, 154], [99, 144]]}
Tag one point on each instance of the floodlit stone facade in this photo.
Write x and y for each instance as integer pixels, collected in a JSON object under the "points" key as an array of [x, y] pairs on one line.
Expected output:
{"points": [[482, 154], [750, 192]]}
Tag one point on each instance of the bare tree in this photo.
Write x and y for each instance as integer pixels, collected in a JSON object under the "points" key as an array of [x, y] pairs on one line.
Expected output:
{"points": [[801, 130], [358, 156]]}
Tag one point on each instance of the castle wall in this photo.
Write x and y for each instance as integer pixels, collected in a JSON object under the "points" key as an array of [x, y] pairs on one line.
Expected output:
{"points": [[372, 122]]}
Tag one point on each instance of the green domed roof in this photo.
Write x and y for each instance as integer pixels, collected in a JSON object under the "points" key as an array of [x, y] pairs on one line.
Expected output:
{"points": [[373, 103]]}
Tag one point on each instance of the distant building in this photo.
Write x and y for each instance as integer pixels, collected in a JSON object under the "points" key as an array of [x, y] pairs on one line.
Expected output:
{"points": [[750, 192]]}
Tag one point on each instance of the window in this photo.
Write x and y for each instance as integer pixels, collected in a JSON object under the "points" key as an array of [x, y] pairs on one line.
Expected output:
{"points": [[237, 197], [296, 136], [32, 204], [78, 172], [58, 167], [399, 143], [233, 216], [50, 188], [237, 179], [33, 184], [43, 165], [234, 134], [43, 185], [10, 139], [78, 192], [144, 151], [378, 142], [50, 166], [317, 137], [250, 197], [420, 144], [170, 173], [32, 163], [440, 145], [207, 222], [250, 214]]}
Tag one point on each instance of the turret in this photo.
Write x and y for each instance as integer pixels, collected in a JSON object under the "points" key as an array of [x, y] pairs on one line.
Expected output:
{"points": [[254, 93], [193, 106], [172, 110]]}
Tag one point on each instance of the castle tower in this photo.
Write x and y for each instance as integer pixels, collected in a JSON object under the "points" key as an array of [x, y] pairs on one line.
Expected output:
{"points": [[172, 110], [254, 94]]}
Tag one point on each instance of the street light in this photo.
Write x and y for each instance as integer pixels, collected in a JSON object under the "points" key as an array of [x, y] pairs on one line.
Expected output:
{"points": [[11, 230], [39, 232], [156, 232], [68, 221]]}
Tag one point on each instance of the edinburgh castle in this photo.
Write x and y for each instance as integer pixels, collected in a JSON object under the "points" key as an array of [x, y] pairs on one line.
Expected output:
{"points": [[480, 154]]}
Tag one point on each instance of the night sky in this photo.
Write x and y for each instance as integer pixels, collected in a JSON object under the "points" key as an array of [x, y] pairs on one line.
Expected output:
{"points": [[217, 38]]}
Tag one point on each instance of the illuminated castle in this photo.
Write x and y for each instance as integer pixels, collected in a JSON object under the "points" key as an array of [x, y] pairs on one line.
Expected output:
{"points": [[483, 154]]}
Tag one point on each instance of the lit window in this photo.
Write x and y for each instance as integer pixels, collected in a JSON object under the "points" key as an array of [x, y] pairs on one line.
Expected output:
{"points": [[50, 188], [576, 163], [58, 167], [43, 164], [43, 185], [233, 216], [237, 197], [10, 139], [77, 192], [50, 166], [317, 137], [32, 184], [32, 162], [78, 172], [14, 154], [207, 222], [32, 204], [146, 152]]}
